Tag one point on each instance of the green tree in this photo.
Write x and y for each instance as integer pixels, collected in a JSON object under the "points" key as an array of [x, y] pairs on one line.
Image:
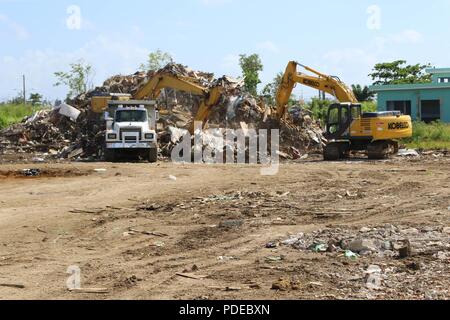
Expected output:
{"points": [[78, 79], [35, 99], [397, 72], [156, 60], [271, 89], [319, 108], [251, 67], [362, 93]]}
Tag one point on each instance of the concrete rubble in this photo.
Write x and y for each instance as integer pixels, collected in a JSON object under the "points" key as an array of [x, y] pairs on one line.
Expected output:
{"points": [[369, 263], [386, 241], [70, 131]]}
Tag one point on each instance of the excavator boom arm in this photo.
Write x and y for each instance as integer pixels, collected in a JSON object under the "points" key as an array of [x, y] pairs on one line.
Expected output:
{"points": [[206, 106], [210, 96], [158, 82], [322, 82]]}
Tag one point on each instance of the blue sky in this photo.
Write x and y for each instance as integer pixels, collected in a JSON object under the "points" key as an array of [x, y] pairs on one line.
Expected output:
{"points": [[336, 37]]}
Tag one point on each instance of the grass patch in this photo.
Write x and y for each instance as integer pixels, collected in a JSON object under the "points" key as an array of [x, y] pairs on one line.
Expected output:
{"points": [[14, 113], [430, 136]]}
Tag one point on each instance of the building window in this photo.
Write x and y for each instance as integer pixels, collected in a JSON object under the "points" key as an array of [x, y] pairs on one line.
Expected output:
{"points": [[430, 110], [444, 80], [403, 106]]}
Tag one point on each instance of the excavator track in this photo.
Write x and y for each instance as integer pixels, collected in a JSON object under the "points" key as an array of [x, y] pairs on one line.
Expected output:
{"points": [[379, 150], [335, 151]]}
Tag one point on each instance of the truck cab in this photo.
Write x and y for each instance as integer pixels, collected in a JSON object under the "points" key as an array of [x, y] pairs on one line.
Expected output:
{"points": [[131, 129]]}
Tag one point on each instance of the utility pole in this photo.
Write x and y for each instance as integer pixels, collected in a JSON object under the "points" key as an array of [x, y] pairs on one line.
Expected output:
{"points": [[24, 92], [321, 95]]}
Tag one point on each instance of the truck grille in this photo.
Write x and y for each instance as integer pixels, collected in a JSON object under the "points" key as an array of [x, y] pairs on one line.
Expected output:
{"points": [[130, 130], [130, 139]]}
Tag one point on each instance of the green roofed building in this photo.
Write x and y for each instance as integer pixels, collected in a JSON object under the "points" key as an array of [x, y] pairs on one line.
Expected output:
{"points": [[426, 102]]}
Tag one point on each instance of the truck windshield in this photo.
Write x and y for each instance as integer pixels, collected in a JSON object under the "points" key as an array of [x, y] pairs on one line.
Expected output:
{"points": [[131, 116]]}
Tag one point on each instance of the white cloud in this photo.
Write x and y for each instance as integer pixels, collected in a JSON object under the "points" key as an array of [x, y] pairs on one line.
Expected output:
{"points": [[108, 55], [269, 46], [230, 60], [356, 55], [350, 63], [88, 25], [20, 31], [230, 65], [405, 37], [408, 36], [356, 63]]}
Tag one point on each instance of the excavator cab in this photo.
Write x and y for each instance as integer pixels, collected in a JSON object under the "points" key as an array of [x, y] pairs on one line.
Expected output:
{"points": [[339, 120]]}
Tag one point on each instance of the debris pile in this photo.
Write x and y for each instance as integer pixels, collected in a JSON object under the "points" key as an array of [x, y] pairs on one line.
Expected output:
{"points": [[178, 70], [377, 262], [383, 241], [53, 134], [77, 133]]}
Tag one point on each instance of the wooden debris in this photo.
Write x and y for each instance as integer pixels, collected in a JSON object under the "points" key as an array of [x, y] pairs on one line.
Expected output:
{"points": [[90, 290], [86, 211], [41, 230], [120, 208], [75, 153], [226, 288], [12, 285], [191, 276], [316, 283], [149, 233]]}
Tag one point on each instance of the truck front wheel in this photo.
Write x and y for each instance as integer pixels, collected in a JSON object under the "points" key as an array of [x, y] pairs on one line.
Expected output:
{"points": [[110, 155], [153, 155]]}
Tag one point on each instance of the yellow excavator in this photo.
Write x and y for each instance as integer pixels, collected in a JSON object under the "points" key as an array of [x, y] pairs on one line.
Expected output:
{"points": [[153, 87], [210, 96], [347, 128]]}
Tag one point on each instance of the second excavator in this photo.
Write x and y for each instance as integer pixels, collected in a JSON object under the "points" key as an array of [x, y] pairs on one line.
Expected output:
{"points": [[347, 127], [210, 96]]}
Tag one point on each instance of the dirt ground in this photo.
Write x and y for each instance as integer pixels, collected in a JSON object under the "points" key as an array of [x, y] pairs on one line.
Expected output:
{"points": [[134, 228]]}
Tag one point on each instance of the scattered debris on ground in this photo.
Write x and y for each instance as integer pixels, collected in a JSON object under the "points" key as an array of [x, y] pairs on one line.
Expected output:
{"points": [[90, 290], [386, 241], [294, 236], [29, 173]]}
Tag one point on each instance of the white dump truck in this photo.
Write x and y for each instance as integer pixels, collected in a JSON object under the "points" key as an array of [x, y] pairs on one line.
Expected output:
{"points": [[130, 127]]}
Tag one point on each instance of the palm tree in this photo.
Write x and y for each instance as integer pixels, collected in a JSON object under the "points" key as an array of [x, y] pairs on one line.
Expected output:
{"points": [[362, 93]]}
